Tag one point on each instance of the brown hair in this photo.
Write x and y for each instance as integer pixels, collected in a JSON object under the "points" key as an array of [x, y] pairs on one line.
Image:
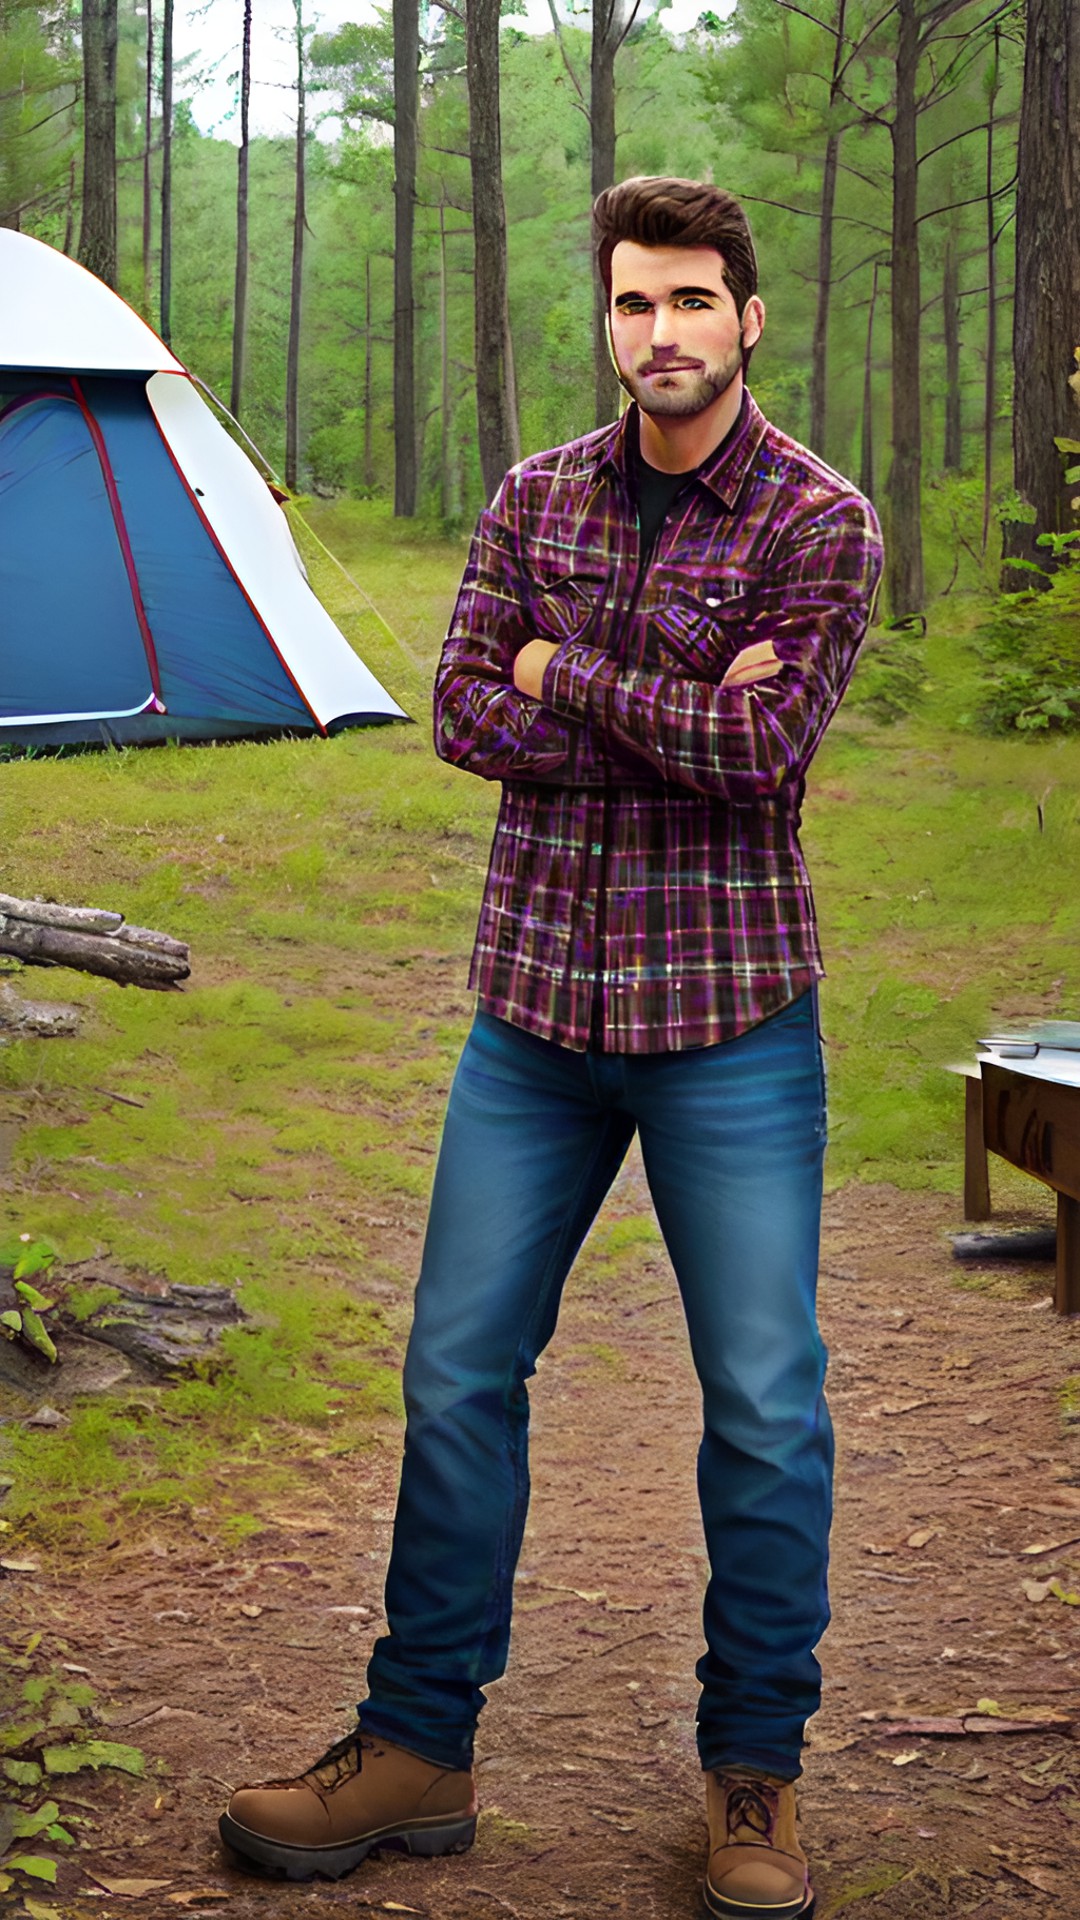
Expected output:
{"points": [[666, 212]]}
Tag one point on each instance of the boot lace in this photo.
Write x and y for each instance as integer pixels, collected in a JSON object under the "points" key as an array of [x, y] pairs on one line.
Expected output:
{"points": [[340, 1762], [751, 1804]]}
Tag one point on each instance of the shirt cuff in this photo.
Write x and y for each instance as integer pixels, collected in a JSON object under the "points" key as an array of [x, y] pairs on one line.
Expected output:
{"points": [[568, 677]]}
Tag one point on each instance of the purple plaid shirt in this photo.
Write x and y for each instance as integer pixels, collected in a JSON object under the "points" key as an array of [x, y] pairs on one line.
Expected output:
{"points": [[646, 890]]}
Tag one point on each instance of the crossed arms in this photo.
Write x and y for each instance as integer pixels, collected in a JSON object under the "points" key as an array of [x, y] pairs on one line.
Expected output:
{"points": [[524, 693]]}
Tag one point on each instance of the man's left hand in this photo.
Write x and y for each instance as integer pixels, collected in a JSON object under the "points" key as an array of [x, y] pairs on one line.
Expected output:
{"points": [[530, 665]]}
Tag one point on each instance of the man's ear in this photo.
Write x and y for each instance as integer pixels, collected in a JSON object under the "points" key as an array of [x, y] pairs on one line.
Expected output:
{"points": [[753, 314]]}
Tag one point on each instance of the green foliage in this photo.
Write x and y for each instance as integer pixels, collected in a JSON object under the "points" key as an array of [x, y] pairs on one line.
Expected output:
{"points": [[1030, 643], [890, 676]]}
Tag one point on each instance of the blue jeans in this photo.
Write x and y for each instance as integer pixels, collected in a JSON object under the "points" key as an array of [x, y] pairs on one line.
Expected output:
{"points": [[732, 1138]]}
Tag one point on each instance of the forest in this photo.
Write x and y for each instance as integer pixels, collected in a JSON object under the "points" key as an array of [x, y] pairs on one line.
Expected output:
{"points": [[402, 310]]}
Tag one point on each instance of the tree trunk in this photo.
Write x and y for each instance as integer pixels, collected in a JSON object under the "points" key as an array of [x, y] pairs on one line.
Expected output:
{"points": [[608, 31], [69, 210], [953, 455], [166, 171], [444, 372], [495, 399], [97, 238], [1046, 326], [904, 556], [239, 338], [406, 114], [990, 407], [369, 464], [148, 167], [820, 348], [866, 456], [296, 292]]}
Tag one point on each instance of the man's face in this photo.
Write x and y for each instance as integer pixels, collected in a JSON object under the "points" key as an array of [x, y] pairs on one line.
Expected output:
{"points": [[676, 333]]}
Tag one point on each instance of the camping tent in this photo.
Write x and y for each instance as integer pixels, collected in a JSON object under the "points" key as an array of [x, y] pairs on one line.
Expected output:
{"points": [[150, 588]]}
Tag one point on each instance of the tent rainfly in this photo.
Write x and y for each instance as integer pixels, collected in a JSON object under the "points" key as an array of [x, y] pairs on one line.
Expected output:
{"points": [[150, 588]]}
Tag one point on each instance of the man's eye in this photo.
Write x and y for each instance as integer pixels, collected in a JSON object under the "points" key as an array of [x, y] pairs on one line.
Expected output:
{"points": [[692, 300]]}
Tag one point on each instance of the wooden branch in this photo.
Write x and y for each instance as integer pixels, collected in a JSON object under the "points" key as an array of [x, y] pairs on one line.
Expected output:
{"points": [[92, 940]]}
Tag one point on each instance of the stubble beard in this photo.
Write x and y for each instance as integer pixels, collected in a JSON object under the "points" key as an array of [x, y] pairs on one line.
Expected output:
{"points": [[690, 393]]}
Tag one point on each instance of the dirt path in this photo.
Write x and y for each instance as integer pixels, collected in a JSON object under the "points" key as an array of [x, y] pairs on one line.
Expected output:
{"points": [[954, 1459]]}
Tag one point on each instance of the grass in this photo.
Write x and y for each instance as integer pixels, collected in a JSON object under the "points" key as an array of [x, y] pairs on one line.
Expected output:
{"points": [[273, 1127]]}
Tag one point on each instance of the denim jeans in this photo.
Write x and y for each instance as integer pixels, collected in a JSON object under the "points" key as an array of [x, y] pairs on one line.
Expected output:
{"points": [[732, 1137]]}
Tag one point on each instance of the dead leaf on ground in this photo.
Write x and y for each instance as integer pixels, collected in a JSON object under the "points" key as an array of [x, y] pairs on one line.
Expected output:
{"points": [[1057, 1546], [893, 1407], [1035, 1590], [922, 1536], [1045, 1878], [130, 1889]]}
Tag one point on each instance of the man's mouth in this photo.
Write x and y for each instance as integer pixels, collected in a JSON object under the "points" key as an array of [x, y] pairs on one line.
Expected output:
{"points": [[672, 366]]}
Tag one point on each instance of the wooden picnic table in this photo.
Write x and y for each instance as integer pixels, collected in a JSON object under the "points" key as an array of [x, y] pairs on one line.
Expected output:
{"points": [[1027, 1110]]}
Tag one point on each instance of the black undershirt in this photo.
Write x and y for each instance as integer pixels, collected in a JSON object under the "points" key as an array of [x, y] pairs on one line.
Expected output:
{"points": [[656, 492]]}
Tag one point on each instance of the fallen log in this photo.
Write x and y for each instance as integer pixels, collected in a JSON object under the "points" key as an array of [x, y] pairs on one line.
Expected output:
{"points": [[43, 933], [44, 1018], [160, 1329]]}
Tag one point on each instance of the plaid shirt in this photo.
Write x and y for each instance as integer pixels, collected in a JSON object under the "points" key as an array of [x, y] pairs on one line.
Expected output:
{"points": [[646, 890]]}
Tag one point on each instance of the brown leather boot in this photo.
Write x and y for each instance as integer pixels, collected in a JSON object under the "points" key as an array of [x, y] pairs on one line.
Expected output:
{"points": [[364, 1793], [757, 1869]]}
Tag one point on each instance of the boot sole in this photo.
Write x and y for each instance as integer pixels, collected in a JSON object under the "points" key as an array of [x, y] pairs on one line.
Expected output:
{"points": [[275, 1859], [715, 1904]]}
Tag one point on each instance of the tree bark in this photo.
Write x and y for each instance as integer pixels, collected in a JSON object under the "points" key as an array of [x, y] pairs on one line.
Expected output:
{"points": [[830, 169], [369, 463], [296, 291], [866, 457], [608, 32], [97, 238], [953, 455], [406, 114], [1046, 325], [990, 403], [904, 555], [166, 171], [496, 405], [239, 338]]}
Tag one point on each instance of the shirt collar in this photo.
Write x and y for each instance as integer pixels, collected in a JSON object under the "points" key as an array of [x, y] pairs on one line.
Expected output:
{"points": [[723, 473]]}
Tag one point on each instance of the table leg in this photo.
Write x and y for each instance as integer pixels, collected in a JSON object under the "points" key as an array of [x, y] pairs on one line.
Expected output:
{"points": [[1067, 1288], [976, 1172]]}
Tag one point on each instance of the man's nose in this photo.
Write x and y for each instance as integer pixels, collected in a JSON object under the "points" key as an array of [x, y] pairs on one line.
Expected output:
{"points": [[665, 330]]}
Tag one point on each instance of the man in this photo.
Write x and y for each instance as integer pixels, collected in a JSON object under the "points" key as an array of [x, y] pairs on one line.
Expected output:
{"points": [[655, 626]]}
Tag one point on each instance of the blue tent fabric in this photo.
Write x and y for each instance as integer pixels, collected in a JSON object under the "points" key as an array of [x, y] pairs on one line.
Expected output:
{"points": [[76, 650], [73, 661]]}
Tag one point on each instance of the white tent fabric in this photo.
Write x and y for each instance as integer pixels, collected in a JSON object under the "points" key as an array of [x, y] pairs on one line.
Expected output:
{"points": [[56, 317], [254, 533], [54, 314]]}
